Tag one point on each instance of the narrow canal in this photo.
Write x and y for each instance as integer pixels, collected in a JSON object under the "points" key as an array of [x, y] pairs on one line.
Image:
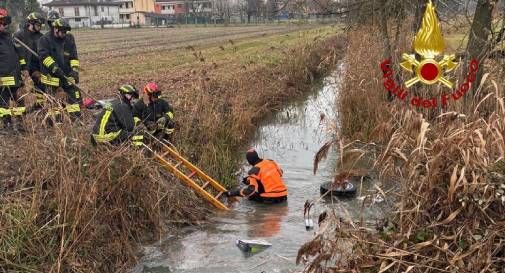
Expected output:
{"points": [[291, 137]]}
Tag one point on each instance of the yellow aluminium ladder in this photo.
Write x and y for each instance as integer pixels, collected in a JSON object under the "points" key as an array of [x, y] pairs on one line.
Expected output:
{"points": [[203, 184]]}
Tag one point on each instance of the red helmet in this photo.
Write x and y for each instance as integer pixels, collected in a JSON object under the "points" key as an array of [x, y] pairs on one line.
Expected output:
{"points": [[4, 16], [152, 89], [3, 13]]}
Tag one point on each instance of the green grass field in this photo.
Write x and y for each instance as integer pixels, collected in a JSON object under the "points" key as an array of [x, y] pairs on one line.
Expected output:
{"points": [[110, 56]]}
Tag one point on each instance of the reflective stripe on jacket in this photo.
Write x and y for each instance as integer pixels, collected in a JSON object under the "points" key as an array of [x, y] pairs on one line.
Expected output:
{"points": [[11, 62], [102, 136], [114, 120], [55, 52]]}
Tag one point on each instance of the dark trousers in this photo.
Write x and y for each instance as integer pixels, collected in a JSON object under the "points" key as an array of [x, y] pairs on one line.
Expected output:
{"points": [[268, 200], [8, 93], [73, 102]]}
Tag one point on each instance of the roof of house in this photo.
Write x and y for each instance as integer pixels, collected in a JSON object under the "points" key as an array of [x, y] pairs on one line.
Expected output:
{"points": [[56, 3]]}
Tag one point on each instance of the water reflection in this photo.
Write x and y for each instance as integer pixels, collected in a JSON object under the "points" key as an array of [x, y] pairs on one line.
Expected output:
{"points": [[291, 138], [268, 220]]}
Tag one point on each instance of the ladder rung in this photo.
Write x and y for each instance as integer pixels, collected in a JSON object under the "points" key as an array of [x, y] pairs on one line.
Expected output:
{"points": [[171, 162], [164, 154]]}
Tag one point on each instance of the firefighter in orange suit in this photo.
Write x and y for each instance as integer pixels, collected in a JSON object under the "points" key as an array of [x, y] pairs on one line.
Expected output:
{"points": [[264, 182]]}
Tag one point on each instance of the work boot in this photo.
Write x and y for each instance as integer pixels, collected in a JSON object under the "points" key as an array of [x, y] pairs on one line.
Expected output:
{"points": [[7, 125], [19, 125]]}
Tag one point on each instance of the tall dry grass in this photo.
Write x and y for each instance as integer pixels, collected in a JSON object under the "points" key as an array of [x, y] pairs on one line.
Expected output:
{"points": [[74, 208], [448, 164], [218, 108], [362, 101], [69, 207]]}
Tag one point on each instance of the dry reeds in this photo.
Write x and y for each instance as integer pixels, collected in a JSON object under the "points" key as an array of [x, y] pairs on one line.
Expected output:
{"points": [[225, 107], [450, 206], [75, 208], [70, 207]]}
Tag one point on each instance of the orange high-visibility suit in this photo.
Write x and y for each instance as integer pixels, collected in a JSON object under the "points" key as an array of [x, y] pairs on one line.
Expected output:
{"points": [[264, 183]]}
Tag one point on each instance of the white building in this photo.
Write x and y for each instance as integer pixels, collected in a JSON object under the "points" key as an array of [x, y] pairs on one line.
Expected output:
{"points": [[87, 13]]}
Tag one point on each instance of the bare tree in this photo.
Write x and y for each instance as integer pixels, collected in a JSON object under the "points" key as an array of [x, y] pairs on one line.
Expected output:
{"points": [[479, 43], [222, 10], [253, 8], [199, 9]]}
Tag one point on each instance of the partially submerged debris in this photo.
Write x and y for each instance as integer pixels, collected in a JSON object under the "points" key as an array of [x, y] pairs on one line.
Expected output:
{"points": [[253, 246]]}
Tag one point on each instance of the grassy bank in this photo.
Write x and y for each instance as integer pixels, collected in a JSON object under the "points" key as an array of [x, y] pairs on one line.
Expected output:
{"points": [[67, 207], [219, 85], [446, 163]]}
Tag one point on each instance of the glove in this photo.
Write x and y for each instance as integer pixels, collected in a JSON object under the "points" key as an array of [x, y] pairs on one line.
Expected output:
{"points": [[36, 75], [140, 127], [68, 82], [162, 122], [58, 72], [75, 74], [227, 193], [170, 124], [244, 180]]}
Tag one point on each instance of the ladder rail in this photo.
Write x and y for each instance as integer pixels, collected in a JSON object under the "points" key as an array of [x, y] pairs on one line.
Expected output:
{"points": [[192, 167], [192, 184]]}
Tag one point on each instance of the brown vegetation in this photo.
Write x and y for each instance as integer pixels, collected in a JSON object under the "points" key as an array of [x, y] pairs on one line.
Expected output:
{"points": [[74, 208], [70, 207], [448, 163]]}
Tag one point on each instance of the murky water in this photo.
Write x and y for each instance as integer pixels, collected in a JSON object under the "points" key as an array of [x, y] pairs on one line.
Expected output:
{"points": [[292, 137]]}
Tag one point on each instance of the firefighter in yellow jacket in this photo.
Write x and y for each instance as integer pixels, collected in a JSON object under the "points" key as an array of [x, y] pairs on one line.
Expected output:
{"points": [[11, 65], [264, 182], [29, 35], [59, 64], [115, 123]]}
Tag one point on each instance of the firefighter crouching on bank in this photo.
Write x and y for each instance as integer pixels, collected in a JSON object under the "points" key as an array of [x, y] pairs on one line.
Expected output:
{"points": [[115, 124], [155, 113]]}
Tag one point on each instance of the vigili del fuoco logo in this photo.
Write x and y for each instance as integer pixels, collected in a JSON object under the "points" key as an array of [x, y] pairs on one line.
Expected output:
{"points": [[429, 67]]}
